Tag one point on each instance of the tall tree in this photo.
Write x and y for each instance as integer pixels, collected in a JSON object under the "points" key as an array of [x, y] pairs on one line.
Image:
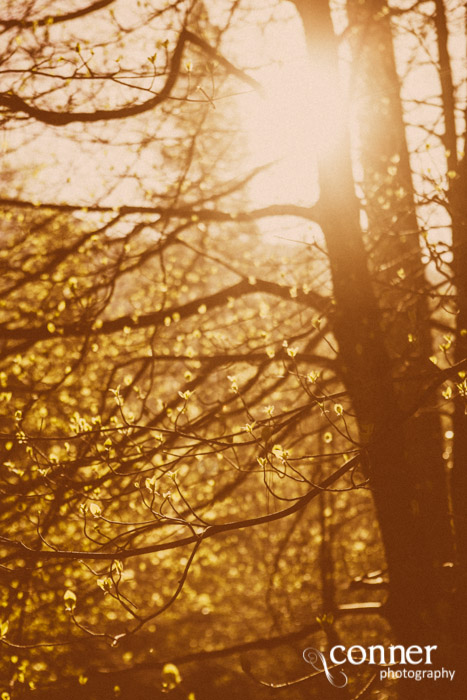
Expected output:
{"points": [[178, 395]]}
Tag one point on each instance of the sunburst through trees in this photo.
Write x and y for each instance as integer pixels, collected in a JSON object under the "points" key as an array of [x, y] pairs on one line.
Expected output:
{"points": [[233, 346]]}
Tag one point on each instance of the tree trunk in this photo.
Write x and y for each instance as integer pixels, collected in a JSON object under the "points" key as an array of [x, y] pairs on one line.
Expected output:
{"points": [[418, 606], [457, 195], [394, 240]]}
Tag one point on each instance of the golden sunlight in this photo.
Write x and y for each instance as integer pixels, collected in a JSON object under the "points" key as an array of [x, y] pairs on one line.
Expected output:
{"points": [[295, 120], [282, 128]]}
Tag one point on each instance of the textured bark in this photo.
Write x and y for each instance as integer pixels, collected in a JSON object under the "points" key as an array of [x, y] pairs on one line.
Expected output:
{"points": [[458, 210], [418, 606], [459, 471], [394, 240]]}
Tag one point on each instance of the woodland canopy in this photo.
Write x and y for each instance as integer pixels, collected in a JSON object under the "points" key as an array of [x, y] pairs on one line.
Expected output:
{"points": [[233, 345]]}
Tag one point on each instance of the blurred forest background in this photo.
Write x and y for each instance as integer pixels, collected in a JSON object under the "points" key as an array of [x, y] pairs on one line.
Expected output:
{"points": [[233, 345]]}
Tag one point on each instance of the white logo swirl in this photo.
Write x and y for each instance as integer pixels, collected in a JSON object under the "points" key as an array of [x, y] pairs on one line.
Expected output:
{"points": [[317, 659]]}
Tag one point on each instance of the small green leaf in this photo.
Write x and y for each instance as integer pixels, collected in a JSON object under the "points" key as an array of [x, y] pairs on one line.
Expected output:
{"points": [[95, 510], [69, 598], [171, 677]]}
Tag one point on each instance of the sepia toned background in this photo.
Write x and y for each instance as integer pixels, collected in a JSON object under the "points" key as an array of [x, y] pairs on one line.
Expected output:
{"points": [[233, 345]]}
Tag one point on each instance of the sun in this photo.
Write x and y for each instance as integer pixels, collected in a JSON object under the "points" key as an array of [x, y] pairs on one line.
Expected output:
{"points": [[293, 123]]}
